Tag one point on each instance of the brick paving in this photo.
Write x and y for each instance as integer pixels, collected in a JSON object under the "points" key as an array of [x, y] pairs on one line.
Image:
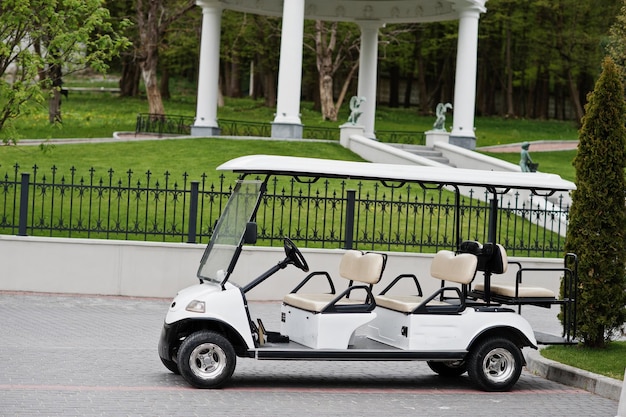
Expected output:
{"points": [[97, 356]]}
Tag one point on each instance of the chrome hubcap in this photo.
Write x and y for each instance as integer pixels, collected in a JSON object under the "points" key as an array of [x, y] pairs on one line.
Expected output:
{"points": [[207, 360]]}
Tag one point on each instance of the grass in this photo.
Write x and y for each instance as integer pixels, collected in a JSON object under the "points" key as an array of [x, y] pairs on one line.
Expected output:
{"points": [[609, 362], [192, 156], [99, 114]]}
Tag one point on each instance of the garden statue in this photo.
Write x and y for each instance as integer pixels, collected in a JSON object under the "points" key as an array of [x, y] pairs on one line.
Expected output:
{"points": [[440, 123], [525, 162], [355, 111]]}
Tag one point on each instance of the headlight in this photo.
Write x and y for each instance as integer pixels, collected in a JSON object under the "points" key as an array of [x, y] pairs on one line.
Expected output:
{"points": [[196, 306]]}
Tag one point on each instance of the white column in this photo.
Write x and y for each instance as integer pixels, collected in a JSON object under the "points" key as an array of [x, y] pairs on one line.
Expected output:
{"points": [[465, 80], [287, 122], [208, 75], [368, 70]]}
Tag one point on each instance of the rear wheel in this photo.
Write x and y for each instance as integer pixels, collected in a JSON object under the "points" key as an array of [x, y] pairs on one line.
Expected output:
{"points": [[206, 359], [448, 368], [495, 364]]}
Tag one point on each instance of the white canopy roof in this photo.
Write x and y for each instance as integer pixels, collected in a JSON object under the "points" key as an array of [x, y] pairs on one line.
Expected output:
{"points": [[311, 167], [386, 11]]}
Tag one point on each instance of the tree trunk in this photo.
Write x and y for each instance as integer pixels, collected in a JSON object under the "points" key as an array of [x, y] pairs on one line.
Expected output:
{"points": [[510, 110], [165, 84], [324, 58], [269, 88], [575, 95], [54, 104], [394, 86], [149, 74], [329, 111], [54, 107], [152, 21], [235, 80], [148, 25], [130, 77]]}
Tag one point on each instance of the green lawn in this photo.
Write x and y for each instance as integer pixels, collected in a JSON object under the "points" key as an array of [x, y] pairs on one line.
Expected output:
{"points": [[609, 362], [177, 156], [99, 114]]}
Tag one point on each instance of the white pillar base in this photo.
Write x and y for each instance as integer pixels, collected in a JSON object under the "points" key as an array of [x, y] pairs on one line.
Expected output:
{"points": [[286, 130], [434, 136], [205, 131], [467, 142], [347, 130]]}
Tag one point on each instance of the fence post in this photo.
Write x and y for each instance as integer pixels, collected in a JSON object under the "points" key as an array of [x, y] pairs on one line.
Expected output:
{"points": [[492, 234], [349, 230], [193, 211], [21, 230]]}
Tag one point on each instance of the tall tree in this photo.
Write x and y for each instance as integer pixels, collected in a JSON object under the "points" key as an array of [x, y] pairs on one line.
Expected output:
{"points": [[333, 44], [617, 40], [153, 19], [39, 39], [596, 231]]}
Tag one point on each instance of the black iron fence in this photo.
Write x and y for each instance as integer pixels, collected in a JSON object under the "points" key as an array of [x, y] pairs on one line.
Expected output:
{"points": [[333, 214], [163, 124]]}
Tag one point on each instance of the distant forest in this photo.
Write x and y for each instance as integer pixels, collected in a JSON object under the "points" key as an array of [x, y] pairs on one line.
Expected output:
{"points": [[537, 58]]}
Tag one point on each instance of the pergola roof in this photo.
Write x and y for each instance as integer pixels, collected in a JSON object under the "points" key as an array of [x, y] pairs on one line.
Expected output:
{"points": [[385, 11]]}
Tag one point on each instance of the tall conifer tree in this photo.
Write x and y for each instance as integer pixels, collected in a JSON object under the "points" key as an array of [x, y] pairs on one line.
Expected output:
{"points": [[597, 227]]}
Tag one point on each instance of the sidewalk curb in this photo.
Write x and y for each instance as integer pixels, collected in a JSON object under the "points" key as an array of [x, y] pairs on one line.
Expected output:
{"points": [[568, 375]]}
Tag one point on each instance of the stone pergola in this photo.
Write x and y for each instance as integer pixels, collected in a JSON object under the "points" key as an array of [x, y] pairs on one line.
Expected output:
{"points": [[370, 16]]}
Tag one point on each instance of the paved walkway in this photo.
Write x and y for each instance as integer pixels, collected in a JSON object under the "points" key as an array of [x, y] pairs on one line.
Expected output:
{"points": [[536, 146], [92, 356]]}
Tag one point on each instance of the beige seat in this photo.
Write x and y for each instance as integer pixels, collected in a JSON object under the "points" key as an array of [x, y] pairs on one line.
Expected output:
{"points": [[365, 268], [445, 266], [514, 292]]}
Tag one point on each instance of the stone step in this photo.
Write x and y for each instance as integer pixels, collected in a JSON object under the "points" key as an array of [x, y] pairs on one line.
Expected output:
{"points": [[424, 151]]}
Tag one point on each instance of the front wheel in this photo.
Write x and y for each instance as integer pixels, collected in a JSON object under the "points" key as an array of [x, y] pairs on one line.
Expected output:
{"points": [[495, 364], [170, 365], [448, 368], [206, 359]]}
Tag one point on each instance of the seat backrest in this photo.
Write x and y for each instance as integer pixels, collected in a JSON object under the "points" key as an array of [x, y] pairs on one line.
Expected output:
{"points": [[362, 267], [459, 268], [491, 257], [499, 261]]}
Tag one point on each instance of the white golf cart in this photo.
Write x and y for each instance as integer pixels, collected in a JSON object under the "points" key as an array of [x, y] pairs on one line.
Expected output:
{"points": [[459, 327]]}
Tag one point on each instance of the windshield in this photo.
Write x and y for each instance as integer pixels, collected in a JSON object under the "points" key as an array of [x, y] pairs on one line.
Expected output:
{"points": [[223, 250]]}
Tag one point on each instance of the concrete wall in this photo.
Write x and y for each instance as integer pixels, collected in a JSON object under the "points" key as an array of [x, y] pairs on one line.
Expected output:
{"points": [[145, 269]]}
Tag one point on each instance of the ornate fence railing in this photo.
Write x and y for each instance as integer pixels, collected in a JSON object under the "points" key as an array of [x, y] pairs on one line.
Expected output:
{"points": [[394, 136], [163, 124], [332, 214]]}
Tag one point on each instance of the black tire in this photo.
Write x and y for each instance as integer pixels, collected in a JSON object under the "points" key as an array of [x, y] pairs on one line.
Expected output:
{"points": [[171, 366], [495, 364], [206, 359], [448, 369]]}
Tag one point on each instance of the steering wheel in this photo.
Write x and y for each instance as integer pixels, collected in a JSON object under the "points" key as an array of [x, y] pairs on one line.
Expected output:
{"points": [[294, 255]]}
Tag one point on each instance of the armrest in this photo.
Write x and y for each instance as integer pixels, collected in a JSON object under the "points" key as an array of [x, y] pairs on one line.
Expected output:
{"points": [[423, 308], [364, 307], [402, 276], [313, 274]]}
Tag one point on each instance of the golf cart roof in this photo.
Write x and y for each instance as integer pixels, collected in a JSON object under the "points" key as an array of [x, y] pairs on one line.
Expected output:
{"points": [[326, 168]]}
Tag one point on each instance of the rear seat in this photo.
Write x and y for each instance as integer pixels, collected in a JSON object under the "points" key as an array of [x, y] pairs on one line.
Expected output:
{"points": [[499, 261]]}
